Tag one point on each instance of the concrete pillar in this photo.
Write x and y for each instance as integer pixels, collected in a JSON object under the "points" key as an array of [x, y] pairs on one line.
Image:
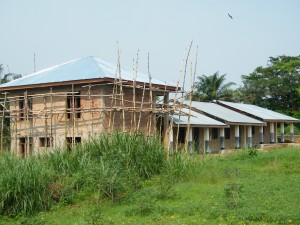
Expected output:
{"points": [[206, 140], [291, 132], [171, 138], [190, 143], [271, 132], [282, 132], [261, 135], [275, 132], [237, 136], [249, 137], [222, 138], [245, 137]]}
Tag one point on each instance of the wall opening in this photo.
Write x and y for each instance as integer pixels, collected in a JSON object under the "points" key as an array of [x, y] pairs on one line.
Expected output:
{"points": [[214, 133], [69, 141], [74, 105], [23, 146], [227, 133], [45, 142], [21, 109]]}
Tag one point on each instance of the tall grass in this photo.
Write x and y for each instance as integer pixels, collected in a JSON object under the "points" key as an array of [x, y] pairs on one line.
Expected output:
{"points": [[111, 164]]}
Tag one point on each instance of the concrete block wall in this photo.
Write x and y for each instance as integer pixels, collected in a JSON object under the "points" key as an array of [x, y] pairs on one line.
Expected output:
{"points": [[93, 119]]}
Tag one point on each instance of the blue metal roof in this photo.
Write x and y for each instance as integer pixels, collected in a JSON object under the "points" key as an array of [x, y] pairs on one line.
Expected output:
{"points": [[196, 120], [259, 112], [80, 69], [224, 114]]}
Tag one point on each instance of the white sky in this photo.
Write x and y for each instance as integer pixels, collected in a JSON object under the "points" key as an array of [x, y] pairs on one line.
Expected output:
{"points": [[61, 30]]}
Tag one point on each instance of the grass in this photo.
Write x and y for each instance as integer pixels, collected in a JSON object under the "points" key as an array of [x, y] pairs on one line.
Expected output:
{"points": [[249, 187]]}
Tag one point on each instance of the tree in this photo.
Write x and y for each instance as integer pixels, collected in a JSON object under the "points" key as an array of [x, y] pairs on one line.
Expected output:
{"points": [[6, 129], [8, 76], [275, 86], [213, 88]]}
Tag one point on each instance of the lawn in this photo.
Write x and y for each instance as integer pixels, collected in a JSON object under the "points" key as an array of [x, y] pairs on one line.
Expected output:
{"points": [[249, 187]]}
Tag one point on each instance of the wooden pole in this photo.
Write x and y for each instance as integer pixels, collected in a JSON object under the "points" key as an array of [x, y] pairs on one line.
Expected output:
{"points": [[151, 96], [187, 137], [73, 117], [142, 103], [121, 91], [66, 113], [46, 124], [51, 118], [16, 125], [2, 122], [26, 116], [90, 114], [182, 95]]}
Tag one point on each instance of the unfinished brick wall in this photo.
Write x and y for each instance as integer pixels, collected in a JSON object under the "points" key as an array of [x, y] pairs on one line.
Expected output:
{"points": [[49, 117]]}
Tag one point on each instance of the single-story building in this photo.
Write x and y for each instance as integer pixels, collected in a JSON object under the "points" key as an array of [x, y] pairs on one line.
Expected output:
{"points": [[202, 131], [242, 130], [271, 118]]}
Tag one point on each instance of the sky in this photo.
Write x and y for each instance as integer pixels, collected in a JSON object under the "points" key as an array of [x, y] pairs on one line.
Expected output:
{"points": [[57, 31]]}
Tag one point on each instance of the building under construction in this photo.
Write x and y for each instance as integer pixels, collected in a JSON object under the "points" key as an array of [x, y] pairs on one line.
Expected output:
{"points": [[75, 101]]}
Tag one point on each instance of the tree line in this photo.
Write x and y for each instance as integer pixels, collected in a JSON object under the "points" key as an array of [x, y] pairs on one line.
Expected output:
{"points": [[275, 86]]}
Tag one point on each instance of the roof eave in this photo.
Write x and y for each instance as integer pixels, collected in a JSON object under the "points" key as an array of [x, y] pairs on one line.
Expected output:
{"points": [[85, 81]]}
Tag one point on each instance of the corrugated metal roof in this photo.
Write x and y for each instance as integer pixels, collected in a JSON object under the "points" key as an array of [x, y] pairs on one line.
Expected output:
{"points": [[197, 120], [80, 69], [265, 114], [226, 115]]}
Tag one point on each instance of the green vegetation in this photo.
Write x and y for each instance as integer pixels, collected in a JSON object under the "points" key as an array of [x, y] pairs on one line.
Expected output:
{"points": [[275, 86], [126, 179], [213, 87]]}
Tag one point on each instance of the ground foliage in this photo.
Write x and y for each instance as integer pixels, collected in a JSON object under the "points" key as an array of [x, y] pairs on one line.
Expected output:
{"points": [[109, 165], [249, 187]]}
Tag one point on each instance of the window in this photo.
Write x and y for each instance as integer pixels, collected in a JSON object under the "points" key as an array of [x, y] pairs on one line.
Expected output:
{"points": [[253, 130], [77, 105], [24, 143], [21, 108], [181, 135], [214, 133], [227, 133], [45, 142], [69, 141], [22, 105]]}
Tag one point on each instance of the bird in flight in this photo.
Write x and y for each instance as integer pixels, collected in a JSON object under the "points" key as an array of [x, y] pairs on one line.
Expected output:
{"points": [[230, 16]]}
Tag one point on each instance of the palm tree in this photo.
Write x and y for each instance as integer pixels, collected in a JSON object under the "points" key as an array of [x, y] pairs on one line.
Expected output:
{"points": [[213, 88]]}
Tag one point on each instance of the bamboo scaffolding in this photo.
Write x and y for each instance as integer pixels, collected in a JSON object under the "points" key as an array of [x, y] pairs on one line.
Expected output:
{"points": [[151, 97], [51, 117], [140, 115], [121, 90], [73, 117], [135, 68], [27, 133], [174, 106], [113, 104], [193, 86], [2, 122], [182, 94], [46, 124], [66, 120], [91, 114]]}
